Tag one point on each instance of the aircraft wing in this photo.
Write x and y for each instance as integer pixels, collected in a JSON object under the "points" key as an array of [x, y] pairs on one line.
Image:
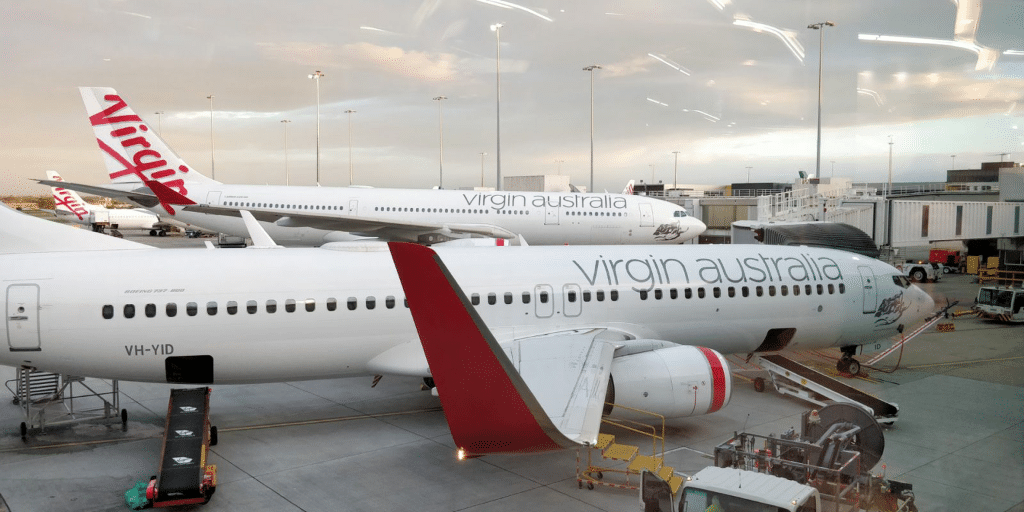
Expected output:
{"points": [[367, 226], [134, 192], [536, 394]]}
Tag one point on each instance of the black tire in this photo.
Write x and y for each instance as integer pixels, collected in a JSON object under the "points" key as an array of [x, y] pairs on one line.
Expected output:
{"points": [[590, 486], [213, 435], [843, 365], [580, 482], [600, 475], [24, 431], [853, 367], [152, 232], [918, 275], [759, 385], [161, 233], [429, 381], [124, 416]]}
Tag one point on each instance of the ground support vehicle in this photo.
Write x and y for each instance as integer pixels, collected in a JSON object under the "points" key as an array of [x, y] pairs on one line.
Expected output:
{"points": [[1003, 303]]}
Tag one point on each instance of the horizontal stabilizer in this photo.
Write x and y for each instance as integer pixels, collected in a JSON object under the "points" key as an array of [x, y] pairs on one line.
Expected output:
{"points": [[488, 406]]}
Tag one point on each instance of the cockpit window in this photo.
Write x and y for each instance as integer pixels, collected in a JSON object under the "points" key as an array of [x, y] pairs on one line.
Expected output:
{"points": [[901, 281], [679, 213]]}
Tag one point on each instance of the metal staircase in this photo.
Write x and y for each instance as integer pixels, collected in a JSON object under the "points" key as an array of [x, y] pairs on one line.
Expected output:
{"points": [[610, 450], [50, 399]]}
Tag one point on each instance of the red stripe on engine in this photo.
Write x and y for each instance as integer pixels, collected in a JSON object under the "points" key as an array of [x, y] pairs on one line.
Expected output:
{"points": [[717, 379]]}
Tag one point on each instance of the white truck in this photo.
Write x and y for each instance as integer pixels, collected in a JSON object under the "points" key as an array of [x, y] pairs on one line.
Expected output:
{"points": [[921, 271], [1004, 303]]}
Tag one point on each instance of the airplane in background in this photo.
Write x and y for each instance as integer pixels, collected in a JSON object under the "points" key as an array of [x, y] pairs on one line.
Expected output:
{"points": [[69, 206], [653, 320], [144, 170]]}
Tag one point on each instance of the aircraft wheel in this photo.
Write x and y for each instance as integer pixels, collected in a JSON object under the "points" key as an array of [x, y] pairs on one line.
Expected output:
{"points": [[580, 482], [759, 385], [853, 367], [24, 431], [919, 276], [124, 416], [843, 364], [152, 232], [162, 233], [213, 435], [590, 486], [600, 475], [429, 381]]}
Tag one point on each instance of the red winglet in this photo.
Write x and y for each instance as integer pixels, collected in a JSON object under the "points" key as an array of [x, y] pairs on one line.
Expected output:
{"points": [[167, 195], [488, 406]]}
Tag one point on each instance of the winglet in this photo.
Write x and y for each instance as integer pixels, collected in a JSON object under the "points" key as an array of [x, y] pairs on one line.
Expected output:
{"points": [[260, 238], [167, 195], [488, 406]]}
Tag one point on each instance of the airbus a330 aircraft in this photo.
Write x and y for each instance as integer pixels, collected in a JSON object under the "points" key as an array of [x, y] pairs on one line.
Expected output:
{"points": [[145, 170], [651, 321], [68, 205]]}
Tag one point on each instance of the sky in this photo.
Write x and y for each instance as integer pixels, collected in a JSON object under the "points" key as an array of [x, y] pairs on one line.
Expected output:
{"points": [[732, 85]]}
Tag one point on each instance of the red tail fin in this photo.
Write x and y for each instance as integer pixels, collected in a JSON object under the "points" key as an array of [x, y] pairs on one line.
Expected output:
{"points": [[488, 406], [167, 195]]}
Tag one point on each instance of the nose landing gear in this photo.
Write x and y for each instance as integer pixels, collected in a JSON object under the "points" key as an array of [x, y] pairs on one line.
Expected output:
{"points": [[846, 363]]}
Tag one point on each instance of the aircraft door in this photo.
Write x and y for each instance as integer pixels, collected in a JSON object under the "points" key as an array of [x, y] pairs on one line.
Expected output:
{"points": [[353, 207], [23, 317], [544, 300], [867, 281], [646, 215], [550, 214], [572, 300], [213, 198]]}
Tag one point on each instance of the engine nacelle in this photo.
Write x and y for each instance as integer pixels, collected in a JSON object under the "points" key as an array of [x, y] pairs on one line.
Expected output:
{"points": [[673, 382]]}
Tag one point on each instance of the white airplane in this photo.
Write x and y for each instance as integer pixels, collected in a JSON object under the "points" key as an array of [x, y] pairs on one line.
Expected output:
{"points": [[648, 324], [145, 170], [68, 205]]}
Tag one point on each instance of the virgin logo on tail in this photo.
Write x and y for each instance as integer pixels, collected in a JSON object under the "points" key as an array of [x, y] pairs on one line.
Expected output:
{"points": [[62, 197], [147, 164]]}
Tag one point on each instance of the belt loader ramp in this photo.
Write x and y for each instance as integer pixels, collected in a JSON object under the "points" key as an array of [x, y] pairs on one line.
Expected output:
{"points": [[184, 477]]}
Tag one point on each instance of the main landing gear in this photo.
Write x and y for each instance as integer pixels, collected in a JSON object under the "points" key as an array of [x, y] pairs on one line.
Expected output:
{"points": [[846, 363]]}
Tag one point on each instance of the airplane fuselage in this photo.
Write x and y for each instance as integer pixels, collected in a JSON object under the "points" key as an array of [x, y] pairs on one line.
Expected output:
{"points": [[229, 316]]}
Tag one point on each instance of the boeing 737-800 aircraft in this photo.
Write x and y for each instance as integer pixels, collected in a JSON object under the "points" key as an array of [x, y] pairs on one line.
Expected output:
{"points": [[143, 169], [68, 205], [654, 320]]}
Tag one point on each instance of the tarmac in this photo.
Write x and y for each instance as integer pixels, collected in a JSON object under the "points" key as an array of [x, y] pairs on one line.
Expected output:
{"points": [[344, 445]]}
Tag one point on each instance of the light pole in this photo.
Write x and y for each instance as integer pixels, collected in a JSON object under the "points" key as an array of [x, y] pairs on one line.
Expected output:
{"points": [[350, 112], [748, 173], [652, 174], [482, 155], [213, 172], [591, 69], [496, 28], [820, 27], [559, 162], [833, 169], [890, 165], [287, 181], [159, 122], [316, 76], [440, 142], [675, 171], [954, 161]]}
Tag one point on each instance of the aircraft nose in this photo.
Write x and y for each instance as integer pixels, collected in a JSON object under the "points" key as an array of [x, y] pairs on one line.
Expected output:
{"points": [[697, 226], [925, 303]]}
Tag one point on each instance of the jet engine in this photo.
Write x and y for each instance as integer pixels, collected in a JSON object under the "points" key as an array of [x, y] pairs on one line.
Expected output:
{"points": [[674, 382]]}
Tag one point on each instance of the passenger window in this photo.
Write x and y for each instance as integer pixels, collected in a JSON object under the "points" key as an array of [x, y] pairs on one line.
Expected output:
{"points": [[657, 294], [310, 305], [129, 310], [771, 291], [150, 310], [406, 302], [643, 294], [572, 296], [543, 297], [526, 297], [673, 293], [760, 291], [211, 308], [688, 293], [600, 295], [492, 299], [389, 302], [475, 299], [250, 307], [808, 290], [586, 295], [191, 309], [700, 292], [271, 306], [108, 311], [508, 297], [796, 290], [785, 290], [732, 291], [352, 302], [371, 302], [171, 309], [718, 292], [614, 295], [842, 288], [289, 306], [332, 304], [232, 307], [746, 291], [831, 288], [821, 290]]}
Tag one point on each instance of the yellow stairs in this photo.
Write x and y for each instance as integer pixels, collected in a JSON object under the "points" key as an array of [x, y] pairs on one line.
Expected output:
{"points": [[636, 464]]}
